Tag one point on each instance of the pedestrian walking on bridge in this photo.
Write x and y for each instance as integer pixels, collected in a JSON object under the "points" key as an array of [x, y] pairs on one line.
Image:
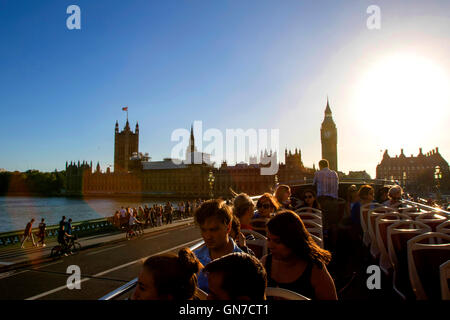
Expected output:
{"points": [[27, 233], [41, 232]]}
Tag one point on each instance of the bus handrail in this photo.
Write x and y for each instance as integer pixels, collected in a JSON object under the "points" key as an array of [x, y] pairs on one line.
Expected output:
{"points": [[424, 206], [131, 284]]}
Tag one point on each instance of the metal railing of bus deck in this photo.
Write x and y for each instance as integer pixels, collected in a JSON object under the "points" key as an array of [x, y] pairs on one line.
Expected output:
{"points": [[427, 207], [127, 287]]}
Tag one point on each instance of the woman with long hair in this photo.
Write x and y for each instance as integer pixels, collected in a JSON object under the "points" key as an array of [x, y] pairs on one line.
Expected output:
{"points": [[266, 206], [282, 195], [168, 277], [310, 200], [243, 208], [296, 262]]}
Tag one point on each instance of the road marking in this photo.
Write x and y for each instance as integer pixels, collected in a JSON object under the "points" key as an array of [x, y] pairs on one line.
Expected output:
{"points": [[6, 263], [11, 273], [50, 264], [95, 252], [113, 269], [154, 237]]}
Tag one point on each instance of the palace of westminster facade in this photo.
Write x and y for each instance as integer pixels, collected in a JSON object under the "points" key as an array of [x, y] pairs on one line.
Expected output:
{"points": [[135, 175]]}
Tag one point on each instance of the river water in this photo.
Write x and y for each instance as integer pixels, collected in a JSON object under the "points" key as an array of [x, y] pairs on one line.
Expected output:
{"points": [[16, 212]]}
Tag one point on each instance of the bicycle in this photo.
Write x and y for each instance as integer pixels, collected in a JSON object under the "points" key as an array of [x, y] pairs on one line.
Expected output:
{"points": [[72, 246], [134, 231]]}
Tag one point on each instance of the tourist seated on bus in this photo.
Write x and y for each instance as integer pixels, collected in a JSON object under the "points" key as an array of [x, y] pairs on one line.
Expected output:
{"points": [[236, 276], [238, 237], [310, 200], [382, 194], [168, 277], [352, 198], [243, 208], [366, 195], [266, 207], [296, 262], [214, 219], [395, 196], [282, 195]]}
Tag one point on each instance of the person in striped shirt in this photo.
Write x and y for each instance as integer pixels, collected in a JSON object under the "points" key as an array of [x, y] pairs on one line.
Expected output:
{"points": [[327, 184]]}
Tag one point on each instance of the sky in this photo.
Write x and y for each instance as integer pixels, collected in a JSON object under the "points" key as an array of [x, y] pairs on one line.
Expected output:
{"points": [[252, 64]]}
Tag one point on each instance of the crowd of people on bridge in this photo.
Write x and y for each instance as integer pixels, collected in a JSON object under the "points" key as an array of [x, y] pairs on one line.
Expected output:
{"points": [[154, 216]]}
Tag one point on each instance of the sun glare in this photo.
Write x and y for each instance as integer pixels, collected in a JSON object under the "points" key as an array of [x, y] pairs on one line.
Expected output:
{"points": [[406, 92]]}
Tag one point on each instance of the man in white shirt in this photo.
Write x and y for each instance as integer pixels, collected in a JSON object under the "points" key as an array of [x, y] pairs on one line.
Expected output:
{"points": [[327, 184], [133, 222]]}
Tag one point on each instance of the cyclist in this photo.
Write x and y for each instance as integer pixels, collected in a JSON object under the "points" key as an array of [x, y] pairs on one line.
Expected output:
{"points": [[133, 222], [68, 234], [62, 235]]}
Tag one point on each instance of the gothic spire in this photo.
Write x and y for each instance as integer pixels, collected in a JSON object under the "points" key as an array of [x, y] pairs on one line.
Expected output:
{"points": [[328, 109]]}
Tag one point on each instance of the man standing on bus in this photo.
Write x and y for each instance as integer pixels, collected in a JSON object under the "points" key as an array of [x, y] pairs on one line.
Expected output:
{"points": [[327, 184]]}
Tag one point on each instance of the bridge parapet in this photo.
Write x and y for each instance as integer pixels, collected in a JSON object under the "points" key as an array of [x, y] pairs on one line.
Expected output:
{"points": [[80, 228]]}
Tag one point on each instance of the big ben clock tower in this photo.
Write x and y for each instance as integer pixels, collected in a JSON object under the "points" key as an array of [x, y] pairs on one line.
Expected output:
{"points": [[328, 136]]}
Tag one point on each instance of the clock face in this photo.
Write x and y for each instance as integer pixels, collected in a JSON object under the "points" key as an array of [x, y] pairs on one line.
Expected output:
{"points": [[327, 134]]}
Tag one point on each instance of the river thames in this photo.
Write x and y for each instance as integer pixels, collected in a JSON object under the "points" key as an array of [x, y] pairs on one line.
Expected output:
{"points": [[15, 212]]}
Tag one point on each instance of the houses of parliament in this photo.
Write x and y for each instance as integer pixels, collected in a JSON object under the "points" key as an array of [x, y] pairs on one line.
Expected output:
{"points": [[135, 175]]}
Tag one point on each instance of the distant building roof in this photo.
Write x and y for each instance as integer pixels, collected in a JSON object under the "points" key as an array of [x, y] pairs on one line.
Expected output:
{"points": [[161, 165]]}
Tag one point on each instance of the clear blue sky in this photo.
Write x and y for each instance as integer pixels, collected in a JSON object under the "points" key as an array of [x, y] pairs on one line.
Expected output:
{"points": [[232, 64]]}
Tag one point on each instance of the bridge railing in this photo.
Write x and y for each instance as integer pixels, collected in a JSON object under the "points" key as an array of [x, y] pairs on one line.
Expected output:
{"points": [[81, 228], [119, 293]]}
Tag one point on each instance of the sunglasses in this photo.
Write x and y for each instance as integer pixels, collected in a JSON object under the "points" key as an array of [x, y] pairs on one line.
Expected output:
{"points": [[266, 206]]}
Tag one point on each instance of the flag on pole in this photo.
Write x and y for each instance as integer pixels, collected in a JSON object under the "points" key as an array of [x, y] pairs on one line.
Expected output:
{"points": [[125, 109]]}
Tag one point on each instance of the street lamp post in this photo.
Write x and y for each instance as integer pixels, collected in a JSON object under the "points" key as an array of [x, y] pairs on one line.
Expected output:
{"points": [[211, 179], [275, 183], [438, 177]]}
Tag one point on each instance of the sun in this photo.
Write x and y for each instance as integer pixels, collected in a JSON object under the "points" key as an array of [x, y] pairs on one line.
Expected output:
{"points": [[405, 92]]}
